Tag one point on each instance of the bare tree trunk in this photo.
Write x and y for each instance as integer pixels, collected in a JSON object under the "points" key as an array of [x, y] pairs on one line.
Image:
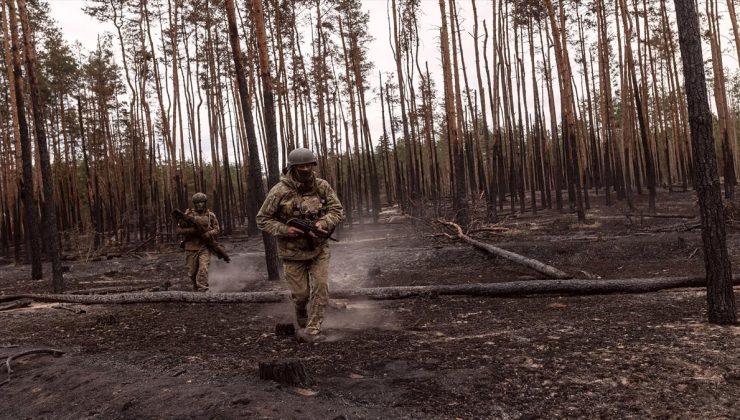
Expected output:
{"points": [[568, 113], [724, 116], [641, 118], [19, 174], [273, 171], [494, 160], [458, 187], [720, 295], [50, 218], [29, 203], [411, 169], [255, 167]]}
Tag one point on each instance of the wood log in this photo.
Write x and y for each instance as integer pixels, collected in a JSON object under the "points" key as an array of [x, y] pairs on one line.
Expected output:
{"points": [[535, 265], [680, 227], [505, 289], [157, 297], [119, 289], [55, 353], [666, 216], [287, 372], [644, 216], [22, 303], [71, 308]]}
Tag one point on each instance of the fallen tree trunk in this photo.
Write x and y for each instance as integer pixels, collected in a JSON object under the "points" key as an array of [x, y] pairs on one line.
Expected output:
{"points": [[156, 297], [507, 289], [119, 289], [535, 265], [55, 353], [16, 304]]}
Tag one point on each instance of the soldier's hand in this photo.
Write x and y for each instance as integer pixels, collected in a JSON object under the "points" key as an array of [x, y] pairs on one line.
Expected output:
{"points": [[294, 232], [320, 229]]}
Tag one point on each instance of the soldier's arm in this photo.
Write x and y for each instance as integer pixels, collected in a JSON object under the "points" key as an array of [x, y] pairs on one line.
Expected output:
{"points": [[184, 229], [215, 228], [266, 220], [334, 211]]}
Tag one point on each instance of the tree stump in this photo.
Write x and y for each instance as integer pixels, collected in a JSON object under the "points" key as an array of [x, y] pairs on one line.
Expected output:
{"points": [[287, 372], [285, 330]]}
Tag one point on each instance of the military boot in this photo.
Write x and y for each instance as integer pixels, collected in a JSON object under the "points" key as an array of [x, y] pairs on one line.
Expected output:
{"points": [[301, 316], [304, 336]]}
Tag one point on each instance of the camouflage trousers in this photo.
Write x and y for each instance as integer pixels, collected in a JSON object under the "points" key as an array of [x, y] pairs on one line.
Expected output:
{"points": [[309, 284], [198, 263]]}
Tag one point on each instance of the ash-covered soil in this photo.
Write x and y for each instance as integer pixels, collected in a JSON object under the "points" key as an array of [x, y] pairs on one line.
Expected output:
{"points": [[613, 356]]}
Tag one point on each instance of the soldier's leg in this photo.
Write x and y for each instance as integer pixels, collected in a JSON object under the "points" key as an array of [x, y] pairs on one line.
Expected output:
{"points": [[319, 279], [191, 262], [296, 275], [204, 262]]}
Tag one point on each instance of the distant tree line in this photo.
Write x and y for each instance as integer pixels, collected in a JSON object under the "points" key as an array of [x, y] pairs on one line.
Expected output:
{"points": [[560, 102]]}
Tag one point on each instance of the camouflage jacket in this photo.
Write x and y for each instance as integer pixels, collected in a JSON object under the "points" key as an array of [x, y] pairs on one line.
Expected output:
{"points": [[210, 224], [290, 199]]}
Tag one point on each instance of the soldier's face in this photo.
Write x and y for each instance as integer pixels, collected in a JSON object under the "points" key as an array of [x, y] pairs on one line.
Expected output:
{"points": [[304, 173], [200, 206]]}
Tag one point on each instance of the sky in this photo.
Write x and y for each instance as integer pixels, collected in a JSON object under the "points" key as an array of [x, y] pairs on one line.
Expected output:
{"points": [[77, 26]]}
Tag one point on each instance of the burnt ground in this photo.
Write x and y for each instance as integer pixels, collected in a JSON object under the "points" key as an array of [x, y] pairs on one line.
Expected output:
{"points": [[637, 356]]}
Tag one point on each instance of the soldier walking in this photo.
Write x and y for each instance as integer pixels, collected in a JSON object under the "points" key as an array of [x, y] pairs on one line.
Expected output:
{"points": [[301, 195], [197, 254]]}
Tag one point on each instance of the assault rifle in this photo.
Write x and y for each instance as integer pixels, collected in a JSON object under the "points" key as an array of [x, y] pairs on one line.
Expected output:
{"points": [[200, 232], [308, 227]]}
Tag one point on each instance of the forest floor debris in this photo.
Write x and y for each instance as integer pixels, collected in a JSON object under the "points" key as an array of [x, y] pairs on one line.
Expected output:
{"points": [[644, 356]]}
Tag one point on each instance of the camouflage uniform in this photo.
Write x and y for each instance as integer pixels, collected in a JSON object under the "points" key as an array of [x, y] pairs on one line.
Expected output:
{"points": [[305, 260], [197, 255]]}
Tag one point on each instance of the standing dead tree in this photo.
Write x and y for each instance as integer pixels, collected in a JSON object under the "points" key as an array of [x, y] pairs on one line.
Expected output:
{"points": [[39, 122], [255, 167], [26, 186], [720, 294]]}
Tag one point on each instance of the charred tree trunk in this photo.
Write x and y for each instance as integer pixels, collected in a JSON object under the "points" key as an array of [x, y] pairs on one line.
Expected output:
{"points": [[273, 171], [457, 168], [39, 123], [503, 289], [720, 296], [26, 186], [255, 167]]}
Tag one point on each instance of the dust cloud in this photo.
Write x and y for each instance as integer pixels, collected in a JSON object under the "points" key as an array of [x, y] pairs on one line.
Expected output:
{"points": [[358, 316], [353, 266], [245, 271]]}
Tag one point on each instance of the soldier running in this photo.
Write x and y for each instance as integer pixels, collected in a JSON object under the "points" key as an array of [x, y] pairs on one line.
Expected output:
{"points": [[305, 255]]}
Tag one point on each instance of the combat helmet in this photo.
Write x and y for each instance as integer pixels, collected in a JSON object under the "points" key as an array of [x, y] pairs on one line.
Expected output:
{"points": [[300, 156], [199, 197]]}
